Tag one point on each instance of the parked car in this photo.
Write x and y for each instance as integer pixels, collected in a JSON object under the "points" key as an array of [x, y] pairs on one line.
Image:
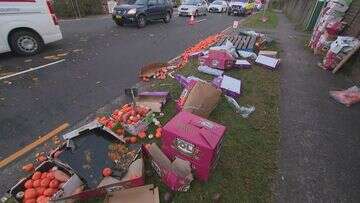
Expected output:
{"points": [[218, 6], [193, 7], [241, 7], [27, 25], [142, 11]]}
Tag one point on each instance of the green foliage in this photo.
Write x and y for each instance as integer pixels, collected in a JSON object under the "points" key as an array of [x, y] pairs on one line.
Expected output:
{"points": [[255, 21], [68, 8]]}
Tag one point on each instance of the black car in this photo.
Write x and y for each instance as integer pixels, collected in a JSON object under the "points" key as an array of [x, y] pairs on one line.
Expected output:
{"points": [[141, 11]]}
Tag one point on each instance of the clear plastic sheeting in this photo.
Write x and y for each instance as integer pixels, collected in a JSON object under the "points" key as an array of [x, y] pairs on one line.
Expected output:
{"points": [[228, 46], [244, 111], [347, 97], [247, 54], [210, 71]]}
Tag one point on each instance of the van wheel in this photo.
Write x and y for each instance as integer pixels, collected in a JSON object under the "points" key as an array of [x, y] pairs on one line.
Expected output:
{"points": [[25, 43]]}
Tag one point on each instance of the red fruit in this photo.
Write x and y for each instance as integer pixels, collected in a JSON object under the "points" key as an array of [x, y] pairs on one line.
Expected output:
{"points": [[36, 175], [133, 139], [45, 182], [29, 184], [142, 135], [50, 175], [41, 158], [28, 167], [30, 200], [36, 183], [44, 175], [106, 172], [54, 184], [40, 190], [30, 193], [49, 192], [42, 199]]}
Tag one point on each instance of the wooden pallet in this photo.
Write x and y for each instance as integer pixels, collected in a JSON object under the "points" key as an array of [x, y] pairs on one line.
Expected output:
{"points": [[344, 58], [241, 42]]}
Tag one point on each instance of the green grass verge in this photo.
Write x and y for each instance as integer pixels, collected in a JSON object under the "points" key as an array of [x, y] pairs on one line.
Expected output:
{"points": [[246, 166], [254, 21]]}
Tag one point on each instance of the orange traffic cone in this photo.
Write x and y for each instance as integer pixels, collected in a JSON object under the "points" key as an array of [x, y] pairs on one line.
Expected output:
{"points": [[192, 20]]}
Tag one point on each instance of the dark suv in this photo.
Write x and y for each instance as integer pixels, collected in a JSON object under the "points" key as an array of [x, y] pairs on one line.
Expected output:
{"points": [[141, 11]]}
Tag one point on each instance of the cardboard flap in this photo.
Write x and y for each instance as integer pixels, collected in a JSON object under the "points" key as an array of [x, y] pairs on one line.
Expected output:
{"points": [[153, 105], [159, 157], [205, 131], [135, 170], [202, 99], [142, 194], [181, 167]]}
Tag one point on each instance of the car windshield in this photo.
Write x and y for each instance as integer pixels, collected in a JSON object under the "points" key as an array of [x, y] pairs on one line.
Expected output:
{"points": [[217, 3], [136, 2], [191, 2]]}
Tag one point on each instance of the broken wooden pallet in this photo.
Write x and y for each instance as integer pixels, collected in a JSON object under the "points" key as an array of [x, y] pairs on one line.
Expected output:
{"points": [[241, 42], [345, 58]]}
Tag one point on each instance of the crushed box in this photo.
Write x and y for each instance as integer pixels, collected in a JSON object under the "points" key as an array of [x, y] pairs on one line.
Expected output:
{"points": [[176, 175]]}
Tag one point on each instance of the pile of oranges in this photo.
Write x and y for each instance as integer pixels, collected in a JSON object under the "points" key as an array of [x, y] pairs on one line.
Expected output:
{"points": [[202, 45]]}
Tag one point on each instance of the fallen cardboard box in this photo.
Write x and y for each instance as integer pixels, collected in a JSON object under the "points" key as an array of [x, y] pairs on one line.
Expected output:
{"points": [[268, 62], [202, 99], [231, 86]]}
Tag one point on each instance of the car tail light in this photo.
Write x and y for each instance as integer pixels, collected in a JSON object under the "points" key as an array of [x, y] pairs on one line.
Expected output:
{"points": [[52, 12]]}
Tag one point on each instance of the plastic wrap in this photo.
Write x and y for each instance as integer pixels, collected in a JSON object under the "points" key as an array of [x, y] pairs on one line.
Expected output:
{"points": [[347, 97]]}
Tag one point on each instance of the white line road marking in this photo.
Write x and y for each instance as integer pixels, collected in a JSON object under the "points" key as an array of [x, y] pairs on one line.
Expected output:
{"points": [[31, 69], [198, 21]]}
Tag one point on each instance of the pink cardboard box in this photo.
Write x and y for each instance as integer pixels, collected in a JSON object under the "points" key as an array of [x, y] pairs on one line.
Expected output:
{"points": [[195, 139], [219, 59]]}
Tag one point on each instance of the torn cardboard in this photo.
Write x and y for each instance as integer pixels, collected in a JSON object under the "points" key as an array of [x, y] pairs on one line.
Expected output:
{"points": [[176, 175], [202, 99]]}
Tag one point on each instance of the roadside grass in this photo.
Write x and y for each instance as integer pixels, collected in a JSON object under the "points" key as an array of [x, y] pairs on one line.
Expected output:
{"points": [[254, 21], [247, 163]]}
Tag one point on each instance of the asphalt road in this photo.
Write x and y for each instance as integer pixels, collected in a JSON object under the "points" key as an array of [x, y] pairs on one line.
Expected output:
{"points": [[101, 59]]}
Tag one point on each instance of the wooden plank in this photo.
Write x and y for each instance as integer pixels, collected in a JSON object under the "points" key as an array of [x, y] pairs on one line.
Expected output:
{"points": [[241, 42], [237, 41], [346, 58], [246, 42], [33, 145], [252, 42], [221, 41]]}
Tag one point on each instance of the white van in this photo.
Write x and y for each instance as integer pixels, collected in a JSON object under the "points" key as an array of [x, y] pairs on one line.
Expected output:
{"points": [[26, 25]]}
